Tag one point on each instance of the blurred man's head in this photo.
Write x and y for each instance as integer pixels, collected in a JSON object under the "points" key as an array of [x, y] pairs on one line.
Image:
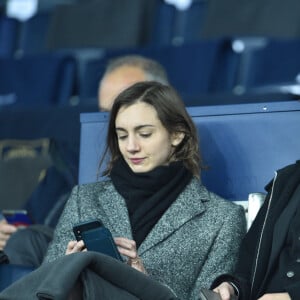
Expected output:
{"points": [[124, 71]]}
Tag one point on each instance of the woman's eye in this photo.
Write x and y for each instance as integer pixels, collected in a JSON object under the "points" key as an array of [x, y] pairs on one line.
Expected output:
{"points": [[122, 137], [145, 135]]}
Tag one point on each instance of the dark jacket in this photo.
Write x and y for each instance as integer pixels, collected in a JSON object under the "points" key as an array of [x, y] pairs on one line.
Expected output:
{"points": [[262, 245], [100, 277]]}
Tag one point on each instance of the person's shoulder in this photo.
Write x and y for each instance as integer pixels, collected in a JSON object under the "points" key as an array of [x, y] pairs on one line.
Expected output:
{"points": [[216, 207], [197, 186], [290, 169], [225, 204], [213, 198]]}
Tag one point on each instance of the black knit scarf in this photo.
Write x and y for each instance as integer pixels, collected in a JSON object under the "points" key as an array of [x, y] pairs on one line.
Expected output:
{"points": [[148, 195]]}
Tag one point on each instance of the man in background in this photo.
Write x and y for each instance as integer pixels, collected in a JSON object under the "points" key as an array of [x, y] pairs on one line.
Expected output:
{"points": [[123, 72]]}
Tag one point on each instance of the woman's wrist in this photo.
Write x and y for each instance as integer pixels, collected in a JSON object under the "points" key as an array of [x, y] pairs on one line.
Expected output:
{"points": [[137, 264]]}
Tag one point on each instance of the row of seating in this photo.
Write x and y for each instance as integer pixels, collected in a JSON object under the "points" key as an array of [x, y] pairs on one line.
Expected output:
{"points": [[207, 72], [242, 145], [152, 22], [37, 80], [65, 23]]}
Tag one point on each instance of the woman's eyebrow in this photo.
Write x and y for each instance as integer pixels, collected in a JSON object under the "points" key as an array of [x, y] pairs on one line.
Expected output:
{"points": [[120, 129], [135, 128], [143, 126]]}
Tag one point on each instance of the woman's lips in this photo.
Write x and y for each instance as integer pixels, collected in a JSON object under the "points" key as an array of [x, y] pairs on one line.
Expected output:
{"points": [[136, 161]]}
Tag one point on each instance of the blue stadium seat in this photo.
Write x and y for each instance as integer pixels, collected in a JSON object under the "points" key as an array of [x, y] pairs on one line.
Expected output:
{"points": [[174, 26], [37, 80], [241, 144], [243, 50], [101, 24], [8, 35], [264, 66], [275, 65], [33, 34], [10, 273], [91, 63]]}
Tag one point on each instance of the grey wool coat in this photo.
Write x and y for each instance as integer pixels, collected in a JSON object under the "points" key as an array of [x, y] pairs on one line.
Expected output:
{"points": [[196, 239]]}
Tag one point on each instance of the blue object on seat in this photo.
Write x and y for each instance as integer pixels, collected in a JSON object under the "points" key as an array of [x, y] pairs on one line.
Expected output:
{"points": [[8, 35], [37, 80], [243, 144], [10, 273]]}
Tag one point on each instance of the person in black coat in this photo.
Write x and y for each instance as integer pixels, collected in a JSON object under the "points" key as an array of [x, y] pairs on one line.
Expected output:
{"points": [[269, 260]]}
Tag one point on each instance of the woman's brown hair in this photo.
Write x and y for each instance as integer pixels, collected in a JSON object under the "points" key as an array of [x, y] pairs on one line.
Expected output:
{"points": [[171, 112]]}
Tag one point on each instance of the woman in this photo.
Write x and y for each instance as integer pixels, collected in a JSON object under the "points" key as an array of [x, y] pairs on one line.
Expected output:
{"points": [[165, 223]]}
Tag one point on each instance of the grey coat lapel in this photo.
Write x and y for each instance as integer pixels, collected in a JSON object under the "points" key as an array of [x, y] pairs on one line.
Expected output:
{"points": [[187, 206], [116, 213]]}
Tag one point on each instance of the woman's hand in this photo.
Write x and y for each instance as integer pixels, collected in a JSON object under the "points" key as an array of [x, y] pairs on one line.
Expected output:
{"points": [[127, 248], [6, 230], [275, 296], [225, 290], [74, 246]]}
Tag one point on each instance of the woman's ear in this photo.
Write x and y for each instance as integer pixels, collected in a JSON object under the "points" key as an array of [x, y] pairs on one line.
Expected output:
{"points": [[177, 138]]}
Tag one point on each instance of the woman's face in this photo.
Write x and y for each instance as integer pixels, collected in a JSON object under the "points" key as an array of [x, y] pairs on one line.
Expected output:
{"points": [[143, 141]]}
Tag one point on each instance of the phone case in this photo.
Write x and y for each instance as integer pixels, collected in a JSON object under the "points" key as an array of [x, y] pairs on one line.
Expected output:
{"points": [[85, 226], [100, 240]]}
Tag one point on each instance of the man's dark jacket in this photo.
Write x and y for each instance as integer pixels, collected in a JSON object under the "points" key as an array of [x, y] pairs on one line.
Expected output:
{"points": [[262, 245]]}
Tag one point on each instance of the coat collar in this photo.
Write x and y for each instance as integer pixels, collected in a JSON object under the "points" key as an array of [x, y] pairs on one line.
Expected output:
{"points": [[188, 205]]}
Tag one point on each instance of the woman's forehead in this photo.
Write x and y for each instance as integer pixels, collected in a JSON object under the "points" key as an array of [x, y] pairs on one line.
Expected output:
{"points": [[137, 115], [137, 111]]}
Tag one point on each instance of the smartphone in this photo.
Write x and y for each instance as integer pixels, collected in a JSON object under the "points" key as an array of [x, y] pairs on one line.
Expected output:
{"points": [[18, 218], [85, 226], [96, 237]]}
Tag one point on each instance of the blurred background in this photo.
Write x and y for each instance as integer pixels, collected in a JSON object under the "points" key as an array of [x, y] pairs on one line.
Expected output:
{"points": [[53, 53]]}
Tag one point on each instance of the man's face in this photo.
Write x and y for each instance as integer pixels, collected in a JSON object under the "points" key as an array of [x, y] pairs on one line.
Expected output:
{"points": [[115, 82]]}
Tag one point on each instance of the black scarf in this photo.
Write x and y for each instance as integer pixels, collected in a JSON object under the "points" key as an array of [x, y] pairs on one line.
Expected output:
{"points": [[148, 195]]}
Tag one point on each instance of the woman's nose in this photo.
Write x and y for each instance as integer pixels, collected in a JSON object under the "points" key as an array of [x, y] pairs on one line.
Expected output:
{"points": [[132, 144]]}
